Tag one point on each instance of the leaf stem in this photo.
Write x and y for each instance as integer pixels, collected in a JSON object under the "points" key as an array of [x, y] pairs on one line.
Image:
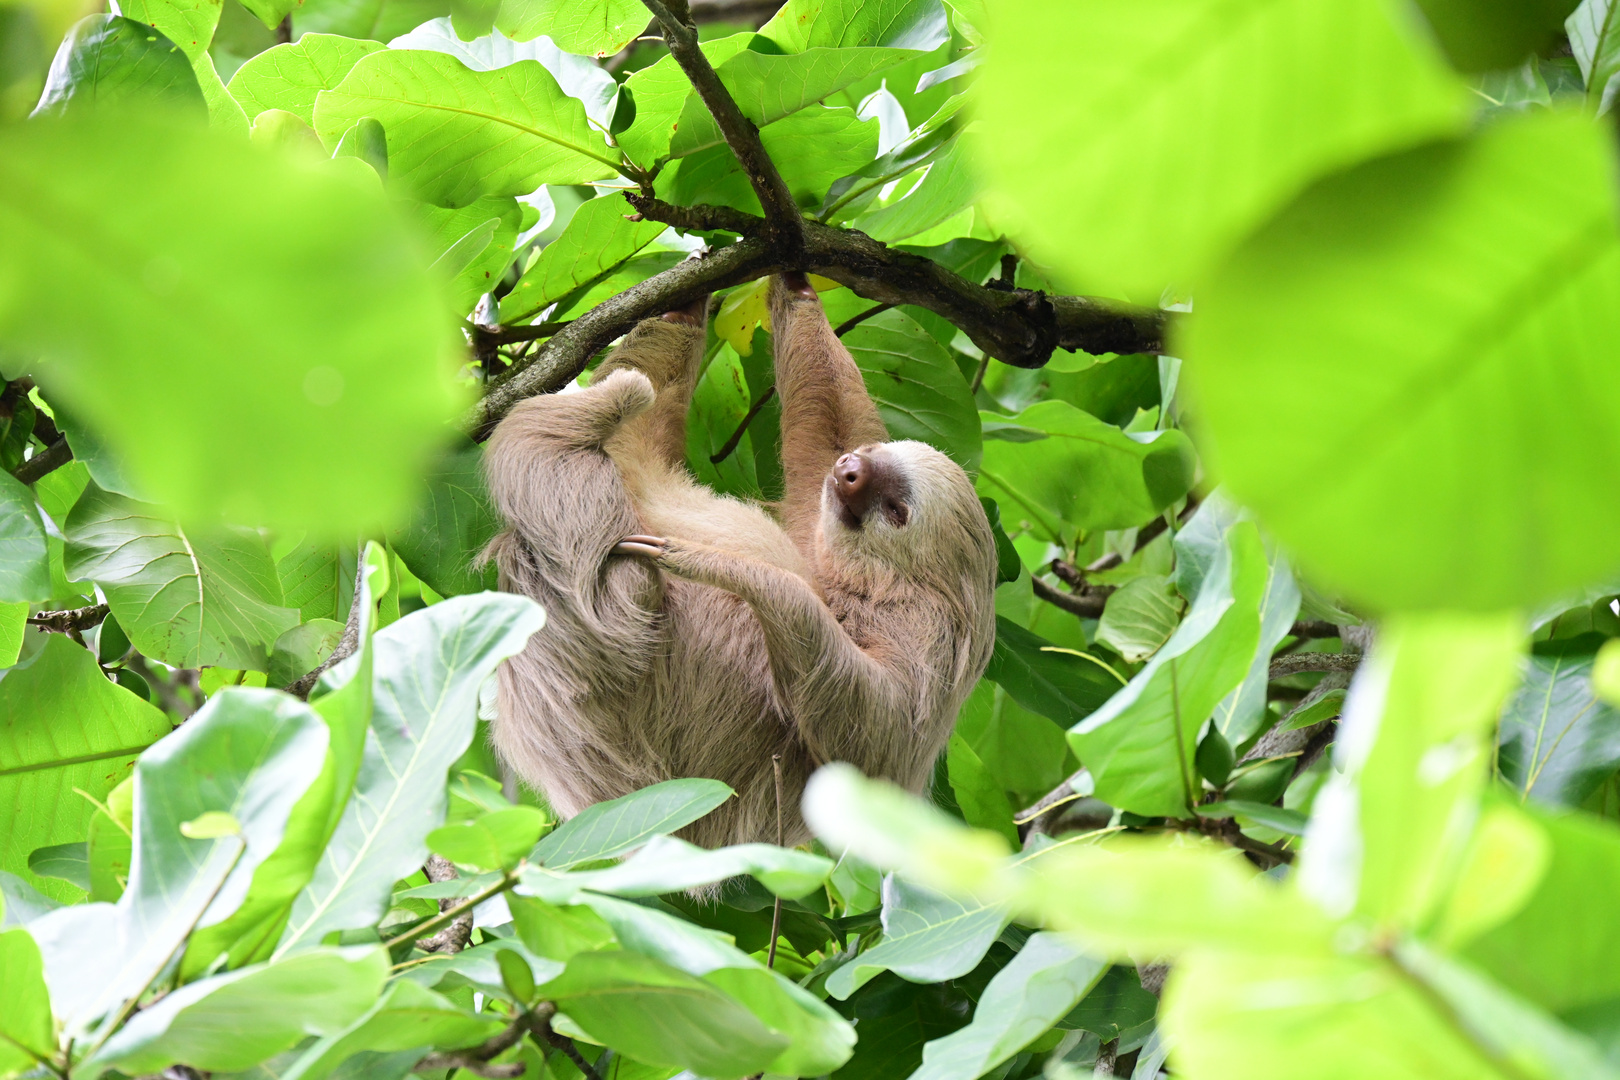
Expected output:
{"points": [[448, 915]]}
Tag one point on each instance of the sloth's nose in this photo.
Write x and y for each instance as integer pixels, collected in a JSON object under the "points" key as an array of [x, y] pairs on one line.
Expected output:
{"points": [[852, 482]]}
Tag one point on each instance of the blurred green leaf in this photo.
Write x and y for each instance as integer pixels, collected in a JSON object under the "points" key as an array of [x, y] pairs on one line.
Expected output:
{"points": [[249, 754], [597, 239], [236, 1020], [495, 841], [1556, 741], [1139, 617], [1488, 35], [136, 346], [609, 829], [43, 759], [1512, 230], [1044, 981], [27, 1035], [456, 134], [13, 625], [289, 76], [1140, 745], [110, 847], [666, 864], [407, 1017], [108, 60], [24, 568], [588, 28], [979, 795], [427, 668], [1055, 466], [188, 601], [450, 526], [301, 650], [1150, 199], [927, 937], [919, 391], [65, 862], [22, 902]]}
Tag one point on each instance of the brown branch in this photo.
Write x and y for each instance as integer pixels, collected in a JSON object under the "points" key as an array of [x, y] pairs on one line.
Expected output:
{"points": [[71, 621], [784, 223], [454, 937], [855, 320], [1314, 628], [1297, 663], [736, 436], [700, 218], [1087, 604], [347, 644], [492, 336], [48, 459]]}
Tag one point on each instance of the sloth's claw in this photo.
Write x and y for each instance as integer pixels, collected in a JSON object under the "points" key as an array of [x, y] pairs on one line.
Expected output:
{"points": [[636, 544]]}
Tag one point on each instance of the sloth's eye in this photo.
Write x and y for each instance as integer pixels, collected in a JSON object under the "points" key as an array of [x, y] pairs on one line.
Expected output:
{"points": [[898, 513]]}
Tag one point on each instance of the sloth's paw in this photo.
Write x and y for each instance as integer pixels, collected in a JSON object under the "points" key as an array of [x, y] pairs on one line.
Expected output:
{"points": [[652, 547]]}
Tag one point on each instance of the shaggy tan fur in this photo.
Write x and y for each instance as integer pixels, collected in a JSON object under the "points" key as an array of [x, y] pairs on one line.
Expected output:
{"points": [[731, 637]]}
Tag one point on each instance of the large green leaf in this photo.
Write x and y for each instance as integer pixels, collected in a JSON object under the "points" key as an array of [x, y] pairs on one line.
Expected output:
{"points": [[1053, 466], [1139, 617], [317, 579], [190, 24], [318, 416], [812, 149], [666, 865], [450, 526], [1044, 678], [1045, 980], [720, 403], [65, 726], [27, 1035], [917, 388], [427, 669], [949, 188], [902, 24], [609, 829], [597, 239], [108, 60], [476, 242], [289, 76], [1109, 177], [455, 134], [408, 1017], [1411, 764], [24, 568], [187, 600], [236, 1020], [1489, 35], [593, 28], [1140, 745], [244, 760], [1455, 302], [1594, 37], [1557, 740], [927, 937]]}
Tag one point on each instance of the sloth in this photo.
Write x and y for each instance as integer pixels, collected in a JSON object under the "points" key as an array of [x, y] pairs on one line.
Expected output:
{"points": [[690, 634]]}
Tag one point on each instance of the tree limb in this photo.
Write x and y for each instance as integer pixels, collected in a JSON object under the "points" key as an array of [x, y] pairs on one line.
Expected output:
{"points": [[69, 622], [1088, 603], [1296, 663], [52, 457]]}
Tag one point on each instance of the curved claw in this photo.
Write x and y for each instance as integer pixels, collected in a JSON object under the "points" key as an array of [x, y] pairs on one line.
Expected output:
{"points": [[637, 544]]}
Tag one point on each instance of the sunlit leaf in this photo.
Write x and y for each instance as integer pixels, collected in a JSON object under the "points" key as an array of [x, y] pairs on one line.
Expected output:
{"points": [[289, 76], [608, 829]]}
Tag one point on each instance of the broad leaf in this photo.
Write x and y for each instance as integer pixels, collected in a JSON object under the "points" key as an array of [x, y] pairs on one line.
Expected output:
{"points": [[1489, 35], [43, 759], [450, 526], [24, 570], [927, 937], [27, 1035], [812, 149], [597, 239], [108, 60], [901, 24], [427, 668], [1047, 679], [1150, 199], [455, 134], [1431, 371], [261, 438], [666, 864], [1059, 468], [288, 77], [1044, 981], [980, 796], [1140, 745], [476, 242], [1557, 740], [1140, 616], [949, 188], [607, 830], [187, 600], [408, 1017], [595, 28], [494, 841], [917, 388], [318, 580]]}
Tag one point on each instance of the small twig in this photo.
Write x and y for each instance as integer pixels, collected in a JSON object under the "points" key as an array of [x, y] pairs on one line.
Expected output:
{"points": [[54, 456], [450, 914], [700, 218], [347, 644], [1088, 604], [453, 938], [855, 320], [475, 1059], [736, 436], [978, 376], [776, 912], [1297, 663], [508, 335], [540, 1024], [284, 30], [71, 621]]}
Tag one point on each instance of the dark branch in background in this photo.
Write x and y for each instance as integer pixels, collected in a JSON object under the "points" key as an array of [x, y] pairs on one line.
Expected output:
{"points": [[1297, 663], [783, 221], [52, 457], [72, 621], [453, 938], [1087, 602], [855, 320]]}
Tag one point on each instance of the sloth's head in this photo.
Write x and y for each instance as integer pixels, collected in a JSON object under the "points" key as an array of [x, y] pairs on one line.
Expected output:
{"points": [[905, 510]]}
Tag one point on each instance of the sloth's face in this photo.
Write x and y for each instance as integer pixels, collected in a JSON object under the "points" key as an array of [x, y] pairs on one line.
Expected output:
{"points": [[899, 503]]}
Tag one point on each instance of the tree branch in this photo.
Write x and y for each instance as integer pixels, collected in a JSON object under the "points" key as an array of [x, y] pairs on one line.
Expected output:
{"points": [[71, 621], [1088, 604], [52, 457], [784, 223], [1297, 663]]}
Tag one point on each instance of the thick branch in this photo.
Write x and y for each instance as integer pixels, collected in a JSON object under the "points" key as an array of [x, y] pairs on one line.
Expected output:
{"points": [[782, 216], [52, 457], [1088, 603], [1296, 663], [68, 622]]}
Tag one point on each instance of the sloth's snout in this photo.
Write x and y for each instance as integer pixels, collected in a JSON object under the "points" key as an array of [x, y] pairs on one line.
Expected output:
{"points": [[852, 483]]}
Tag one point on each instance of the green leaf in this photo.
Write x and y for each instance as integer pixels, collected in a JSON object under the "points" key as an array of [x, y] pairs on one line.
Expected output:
{"points": [[1283, 820], [593, 28], [288, 77], [27, 1035], [902, 24], [979, 795], [949, 188], [495, 841], [135, 346], [249, 754], [660, 92], [300, 650], [408, 1017], [1008, 564], [428, 667], [852, 194], [1045, 678], [236, 1020], [1053, 466], [661, 1015], [477, 242], [597, 240], [13, 625], [65, 862], [1140, 745], [927, 937], [111, 845], [450, 526], [1488, 35], [1140, 616], [812, 149], [720, 404], [1150, 200], [666, 864], [108, 60], [1594, 38], [606, 830], [22, 902], [919, 391], [456, 134], [1454, 298], [1557, 741], [43, 759], [318, 580], [1419, 719], [24, 568], [187, 601], [1044, 981]]}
